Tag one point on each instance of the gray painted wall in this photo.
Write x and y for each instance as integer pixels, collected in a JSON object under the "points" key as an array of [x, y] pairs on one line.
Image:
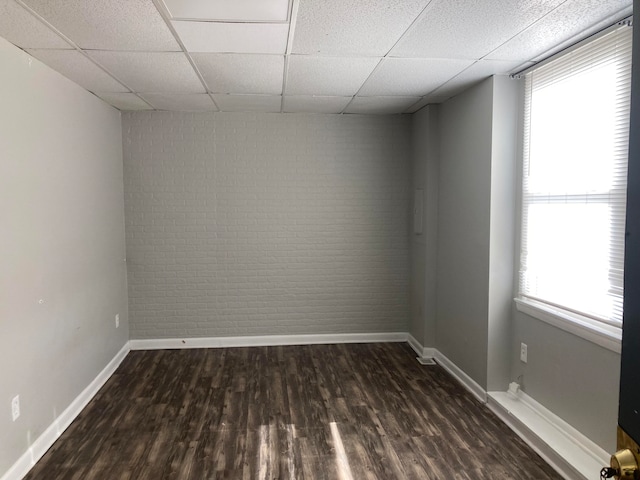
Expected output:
{"points": [[507, 101], [476, 229], [574, 378], [62, 243], [424, 247], [266, 224], [463, 229], [477, 326]]}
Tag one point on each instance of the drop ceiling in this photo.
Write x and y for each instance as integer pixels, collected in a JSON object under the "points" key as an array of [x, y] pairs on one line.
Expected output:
{"points": [[316, 56]]}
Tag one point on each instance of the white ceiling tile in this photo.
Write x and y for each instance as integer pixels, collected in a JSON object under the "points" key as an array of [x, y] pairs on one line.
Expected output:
{"points": [[337, 76], [381, 105], [241, 73], [233, 37], [317, 104], [125, 101], [194, 102], [561, 27], [78, 68], [411, 76], [155, 72], [108, 24], [229, 10], [457, 29], [351, 27], [248, 103], [474, 74], [24, 30]]}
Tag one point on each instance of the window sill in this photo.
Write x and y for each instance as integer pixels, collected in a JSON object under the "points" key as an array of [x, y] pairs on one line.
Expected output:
{"points": [[604, 335]]}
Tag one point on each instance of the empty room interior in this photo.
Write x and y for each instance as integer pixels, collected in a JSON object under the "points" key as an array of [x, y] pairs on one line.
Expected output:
{"points": [[286, 239]]}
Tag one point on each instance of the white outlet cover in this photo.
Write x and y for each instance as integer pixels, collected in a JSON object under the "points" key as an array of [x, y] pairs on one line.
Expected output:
{"points": [[523, 352], [117, 320]]}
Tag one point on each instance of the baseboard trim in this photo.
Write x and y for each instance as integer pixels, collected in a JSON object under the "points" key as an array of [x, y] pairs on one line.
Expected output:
{"points": [[569, 452], [266, 340], [425, 354], [40, 446], [564, 448], [457, 373]]}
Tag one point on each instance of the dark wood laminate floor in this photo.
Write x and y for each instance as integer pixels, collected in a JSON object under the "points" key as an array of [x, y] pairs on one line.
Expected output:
{"points": [[360, 411]]}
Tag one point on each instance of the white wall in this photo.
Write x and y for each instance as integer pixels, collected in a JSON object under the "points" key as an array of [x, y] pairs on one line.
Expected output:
{"points": [[266, 224], [62, 271]]}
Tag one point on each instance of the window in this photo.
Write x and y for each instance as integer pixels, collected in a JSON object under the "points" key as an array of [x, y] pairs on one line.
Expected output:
{"points": [[576, 132]]}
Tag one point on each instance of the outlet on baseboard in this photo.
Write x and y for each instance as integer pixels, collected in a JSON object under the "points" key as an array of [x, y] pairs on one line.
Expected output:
{"points": [[117, 320], [523, 352], [15, 407]]}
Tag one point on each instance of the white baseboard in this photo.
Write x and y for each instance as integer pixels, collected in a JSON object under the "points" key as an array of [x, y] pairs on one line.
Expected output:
{"points": [[425, 354], [568, 451], [266, 340], [19, 469], [457, 373]]}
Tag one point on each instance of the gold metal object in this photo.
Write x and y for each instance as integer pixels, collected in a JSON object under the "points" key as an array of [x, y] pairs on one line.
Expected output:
{"points": [[624, 462]]}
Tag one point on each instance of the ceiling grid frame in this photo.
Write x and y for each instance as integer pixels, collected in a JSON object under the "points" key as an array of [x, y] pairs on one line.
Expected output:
{"points": [[75, 47], [394, 76]]}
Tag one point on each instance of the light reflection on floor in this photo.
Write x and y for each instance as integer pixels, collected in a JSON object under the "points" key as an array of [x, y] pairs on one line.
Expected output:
{"points": [[342, 462]]}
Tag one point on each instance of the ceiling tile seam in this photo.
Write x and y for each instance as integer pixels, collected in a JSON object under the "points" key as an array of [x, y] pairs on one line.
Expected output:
{"points": [[525, 29], [293, 21], [214, 102], [42, 20], [363, 84], [621, 16], [164, 14], [76, 47], [435, 90], [293, 18], [230, 21], [616, 18], [326, 55], [247, 54], [467, 59], [149, 103], [549, 52], [406, 110], [415, 20], [285, 73]]}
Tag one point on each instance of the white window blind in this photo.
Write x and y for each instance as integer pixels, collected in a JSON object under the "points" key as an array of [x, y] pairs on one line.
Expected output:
{"points": [[574, 178]]}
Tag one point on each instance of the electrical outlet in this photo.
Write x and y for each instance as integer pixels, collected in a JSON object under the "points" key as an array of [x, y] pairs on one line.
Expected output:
{"points": [[117, 320], [15, 407], [523, 352]]}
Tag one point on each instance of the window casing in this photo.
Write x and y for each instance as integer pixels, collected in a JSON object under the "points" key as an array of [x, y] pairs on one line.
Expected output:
{"points": [[576, 130]]}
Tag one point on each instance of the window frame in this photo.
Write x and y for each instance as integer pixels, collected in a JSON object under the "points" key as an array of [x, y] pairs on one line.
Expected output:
{"points": [[600, 332]]}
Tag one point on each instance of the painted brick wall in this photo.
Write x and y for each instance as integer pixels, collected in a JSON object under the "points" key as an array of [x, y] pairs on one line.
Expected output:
{"points": [[258, 224]]}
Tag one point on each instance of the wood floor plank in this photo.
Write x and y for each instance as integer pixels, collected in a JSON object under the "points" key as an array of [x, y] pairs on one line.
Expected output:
{"points": [[362, 411]]}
